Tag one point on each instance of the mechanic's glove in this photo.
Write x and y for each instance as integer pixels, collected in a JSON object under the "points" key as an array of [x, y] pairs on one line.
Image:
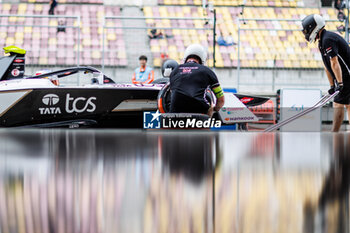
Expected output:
{"points": [[331, 90], [340, 87]]}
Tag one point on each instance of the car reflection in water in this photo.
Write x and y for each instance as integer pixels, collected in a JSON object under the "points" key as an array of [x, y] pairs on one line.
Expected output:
{"points": [[178, 181]]}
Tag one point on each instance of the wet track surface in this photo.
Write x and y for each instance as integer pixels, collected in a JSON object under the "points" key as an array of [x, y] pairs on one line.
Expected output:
{"points": [[137, 181]]}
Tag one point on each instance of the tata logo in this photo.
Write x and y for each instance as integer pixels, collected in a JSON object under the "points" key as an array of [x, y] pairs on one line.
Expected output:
{"points": [[80, 104], [50, 100]]}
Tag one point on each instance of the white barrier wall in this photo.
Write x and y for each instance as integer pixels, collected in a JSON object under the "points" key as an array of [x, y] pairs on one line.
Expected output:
{"points": [[294, 101]]}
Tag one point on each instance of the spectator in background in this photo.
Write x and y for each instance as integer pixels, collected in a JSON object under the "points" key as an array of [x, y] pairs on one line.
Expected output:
{"points": [[339, 4], [61, 26], [227, 41], [53, 4], [154, 33], [143, 74]]}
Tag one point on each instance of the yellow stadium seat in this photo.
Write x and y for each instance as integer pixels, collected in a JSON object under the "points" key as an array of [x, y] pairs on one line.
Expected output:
{"points": [[320, 64], [22, 7], [147, 10], [52, 41], [42, 60], [313, 64], [293, 57], [108, 24], [253, 63], [296, 64], [210, 62], [155, 49], [219, 63], [38, 7], [218, 3], [80, 47], [163, 43], [3, 35], [288, 64], [172, 48], [86, 41], [157, 62], [6, 6], [86, 30], [19, 35], [259, 56], [10, 41], [278, 4], [53, 23], [96, 54], [111, 36], [262, 63], [76, 24], [36, 35], [305, 64], [121, 54], [13, 19]]}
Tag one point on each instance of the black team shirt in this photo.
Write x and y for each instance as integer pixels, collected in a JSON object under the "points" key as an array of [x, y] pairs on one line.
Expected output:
{"points": [[331, 45], [192, 79]]}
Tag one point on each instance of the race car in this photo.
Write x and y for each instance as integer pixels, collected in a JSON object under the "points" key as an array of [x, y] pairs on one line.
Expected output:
{"points": [[40, 101]]}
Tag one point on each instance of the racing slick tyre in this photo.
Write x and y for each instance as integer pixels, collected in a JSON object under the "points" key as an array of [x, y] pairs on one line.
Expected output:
{"points": [[164, 98]]}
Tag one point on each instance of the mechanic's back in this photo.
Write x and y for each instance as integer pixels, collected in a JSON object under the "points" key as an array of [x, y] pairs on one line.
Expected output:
{"points": [[189, 83]]}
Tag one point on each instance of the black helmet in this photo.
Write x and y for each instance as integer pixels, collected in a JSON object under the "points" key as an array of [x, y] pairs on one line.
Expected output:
{"points": [[312, 24], [168, 66]]}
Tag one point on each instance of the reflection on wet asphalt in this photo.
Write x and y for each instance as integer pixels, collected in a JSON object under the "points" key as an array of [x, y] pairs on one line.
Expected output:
{"points": [[134, 181]]}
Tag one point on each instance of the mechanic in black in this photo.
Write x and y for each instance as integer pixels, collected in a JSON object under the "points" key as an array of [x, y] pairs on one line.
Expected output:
{"points": [[335, 54], [190, 81]]}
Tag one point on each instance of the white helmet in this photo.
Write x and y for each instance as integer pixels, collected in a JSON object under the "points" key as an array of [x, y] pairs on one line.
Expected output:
{"points": [[312, 24], [197, 50]]}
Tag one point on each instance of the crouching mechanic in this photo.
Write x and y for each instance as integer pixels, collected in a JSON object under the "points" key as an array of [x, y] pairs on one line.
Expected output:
{"points": [[189, 83], [335, 54]]}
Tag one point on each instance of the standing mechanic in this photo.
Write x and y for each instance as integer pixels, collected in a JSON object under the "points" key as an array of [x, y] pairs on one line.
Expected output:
{"points": [[335, 53], [189, 83]]}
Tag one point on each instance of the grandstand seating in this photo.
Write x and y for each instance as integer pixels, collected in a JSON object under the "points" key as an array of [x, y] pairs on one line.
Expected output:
{"points": [[46, 46], [254, 3], [66, 1], [259, 48]]}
